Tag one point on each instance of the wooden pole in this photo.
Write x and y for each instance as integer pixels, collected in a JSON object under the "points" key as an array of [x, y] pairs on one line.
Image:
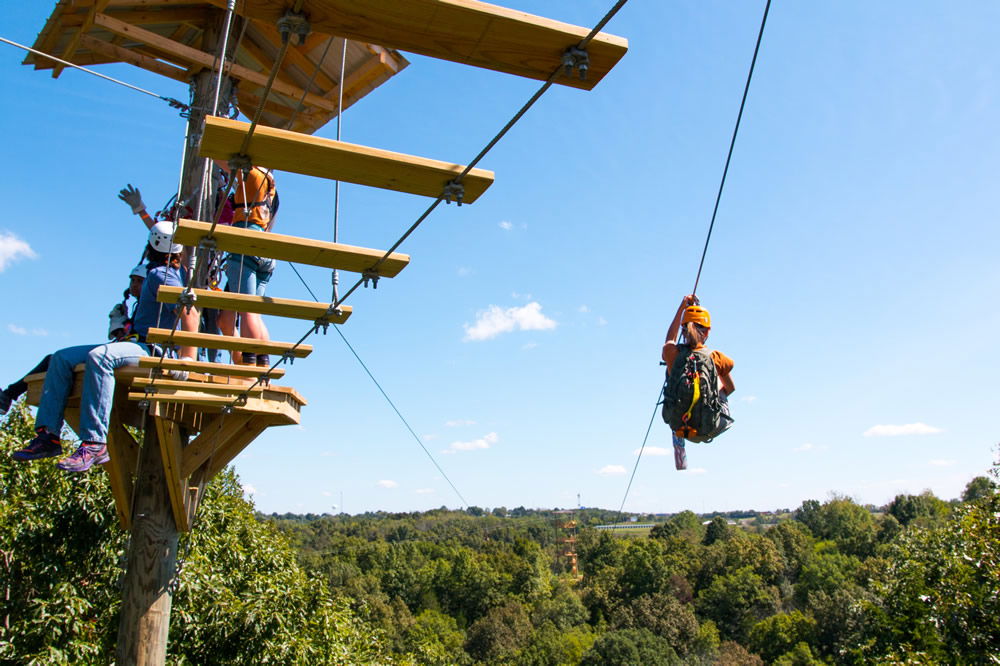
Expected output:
{"points": [[152, 556]]}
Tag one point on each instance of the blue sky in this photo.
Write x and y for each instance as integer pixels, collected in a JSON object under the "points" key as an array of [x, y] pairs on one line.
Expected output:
{"points": [[852, 274]]}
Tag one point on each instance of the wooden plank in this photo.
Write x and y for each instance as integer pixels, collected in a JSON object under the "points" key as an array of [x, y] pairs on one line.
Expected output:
{"points": [[296, 55], [121, 54], [206, 60], [235, 445], [463, 31], [74, 42], [277, 307], [209, 341], [220, 430], [231, 390], [124, 452], [170, 449], [291, 248], [217, 369], [279, 410], [338, 160]]}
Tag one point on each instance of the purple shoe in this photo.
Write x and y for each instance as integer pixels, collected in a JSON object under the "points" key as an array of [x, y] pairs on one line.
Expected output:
{"points": [[88, 455], [44, 445]]}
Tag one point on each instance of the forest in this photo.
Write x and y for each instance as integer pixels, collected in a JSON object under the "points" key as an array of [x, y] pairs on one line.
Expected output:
{"points": [[830, 582]]}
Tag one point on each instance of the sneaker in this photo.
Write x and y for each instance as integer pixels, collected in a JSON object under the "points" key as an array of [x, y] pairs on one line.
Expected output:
{"points": [[263, 361], [85, 457], [249, 358], [680, 456], [44, 445], [5, 402]]}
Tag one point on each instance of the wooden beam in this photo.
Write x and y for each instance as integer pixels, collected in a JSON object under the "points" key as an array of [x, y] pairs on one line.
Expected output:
{"points": [[209, 341], [70, 49], [170, 449], [277, 307], [205, 60], [295, 55], [215, 369], [124, 452], [193, 15], [213, 435], [230, 390], [121, 54], [235, 445], [291, 248], [203, 402], [463, 31], [338, 160]]}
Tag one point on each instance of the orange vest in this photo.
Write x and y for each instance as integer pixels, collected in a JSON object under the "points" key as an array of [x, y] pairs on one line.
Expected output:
{"points": [[253, 197]]}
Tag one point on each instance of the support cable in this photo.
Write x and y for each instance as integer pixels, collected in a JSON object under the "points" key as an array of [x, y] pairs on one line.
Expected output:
{"points": [[715, 211], [416, 438], [642, 448], [176, 104], [732, 144]]}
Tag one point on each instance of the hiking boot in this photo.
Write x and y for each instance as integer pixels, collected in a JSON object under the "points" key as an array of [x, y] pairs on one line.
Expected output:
{"points": [[263, 361], [44, 445], [88, 455], [249, 358], [680, 456], [5, 402]]}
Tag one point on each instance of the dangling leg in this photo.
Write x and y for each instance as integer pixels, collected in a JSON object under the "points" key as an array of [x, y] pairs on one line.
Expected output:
{"points": [[680, 453]]}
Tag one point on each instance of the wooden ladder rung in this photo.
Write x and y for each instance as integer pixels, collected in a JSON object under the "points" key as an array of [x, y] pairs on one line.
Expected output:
{"points": [[327, 158], [200, 387], [463, 31], [215, 369], [230, 343], [290, 248], [278, 307]]}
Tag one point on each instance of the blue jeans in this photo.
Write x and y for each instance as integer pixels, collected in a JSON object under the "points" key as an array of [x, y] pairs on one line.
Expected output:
{"points": [[245, 276], [98, 386]]}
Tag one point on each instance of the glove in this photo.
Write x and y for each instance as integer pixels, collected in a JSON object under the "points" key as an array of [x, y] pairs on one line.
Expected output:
{"points": [[133, 198], [118, 318]]}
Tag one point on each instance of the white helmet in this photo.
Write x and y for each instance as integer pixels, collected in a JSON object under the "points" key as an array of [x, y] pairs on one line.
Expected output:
{"points": [[139, 271], [160, 236]]}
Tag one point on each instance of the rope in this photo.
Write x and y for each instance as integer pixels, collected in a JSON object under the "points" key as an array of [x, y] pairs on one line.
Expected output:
{"points": [[732, 144], [639, 457], [416, 438], [177, 104]]}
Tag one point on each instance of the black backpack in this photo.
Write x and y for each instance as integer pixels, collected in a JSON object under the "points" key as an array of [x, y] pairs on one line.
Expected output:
{"points": [[692, 406]]}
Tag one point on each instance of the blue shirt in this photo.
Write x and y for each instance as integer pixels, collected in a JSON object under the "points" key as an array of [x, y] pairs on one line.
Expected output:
{"points": [[149, 314]]}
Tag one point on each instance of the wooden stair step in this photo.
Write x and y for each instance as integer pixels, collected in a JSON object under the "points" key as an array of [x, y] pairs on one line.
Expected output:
{"points": [[327, 158], [290, 248], [278, 307], [231, 390], [215, 369], [463, 31], [227, 342]]}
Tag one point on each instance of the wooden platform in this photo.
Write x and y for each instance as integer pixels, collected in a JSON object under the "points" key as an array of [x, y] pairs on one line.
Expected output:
{"points": [[463, 31], [337, 160], [208, 369], [229, 343], [278, 307], [291, 248], [196, 439]]}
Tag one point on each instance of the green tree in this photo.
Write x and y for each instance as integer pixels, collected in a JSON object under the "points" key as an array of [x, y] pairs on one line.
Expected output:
{"points": [[663, 615], [627, 647], [736, 601], [800, 655], [779, 634], [717, 530], [435, 639], [908, 508], [500, 633], [979, 488]]}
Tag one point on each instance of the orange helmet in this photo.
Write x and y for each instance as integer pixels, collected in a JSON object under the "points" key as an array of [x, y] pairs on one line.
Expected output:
{"points": [[698, 315]]}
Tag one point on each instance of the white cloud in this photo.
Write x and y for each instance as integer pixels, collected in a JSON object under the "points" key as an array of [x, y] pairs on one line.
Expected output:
{"points": [[897, 430], [17, 330], [601, 321], [248, 489], [506, 226], [387, 483], [529, 345], [459, 422], [805, 447], [697, 470], [494, 321], [483, 442], [939, 462], [13, 248], [653, 451], [424, 491], [520, 297], [611, 470], [428, 438], [583, 308], [748, 398], [327, 493]]}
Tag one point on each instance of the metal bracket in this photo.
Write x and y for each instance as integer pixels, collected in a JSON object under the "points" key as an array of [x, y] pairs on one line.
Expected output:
{"points": [[186, 299], [241, 162], [453, 189], [264, 379], [321, 323], [370, 274], [144, 405], [227, 410], [288, 357], [241, 400], [576, 58], [294, 23], [208, 243]]}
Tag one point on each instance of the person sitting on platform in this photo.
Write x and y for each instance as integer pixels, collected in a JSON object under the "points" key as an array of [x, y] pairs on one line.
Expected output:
{"points": [[120, 325], [255, 205], [163, 268]]}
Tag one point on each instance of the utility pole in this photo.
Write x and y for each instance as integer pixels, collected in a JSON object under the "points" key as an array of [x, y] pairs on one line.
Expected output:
{"points": [[150, 577]]}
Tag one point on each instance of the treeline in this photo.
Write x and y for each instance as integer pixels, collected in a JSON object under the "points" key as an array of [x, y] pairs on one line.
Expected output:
{"points": [[832, 582]]}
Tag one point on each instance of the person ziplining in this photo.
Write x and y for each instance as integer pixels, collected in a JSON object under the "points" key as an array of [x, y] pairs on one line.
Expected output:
{"points": [[699, 381]]}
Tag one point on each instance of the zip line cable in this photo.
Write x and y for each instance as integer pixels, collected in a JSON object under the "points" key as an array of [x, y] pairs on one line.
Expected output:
{"points": [[715, 210], [177, 104], [732, 144], [416, 438]]}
